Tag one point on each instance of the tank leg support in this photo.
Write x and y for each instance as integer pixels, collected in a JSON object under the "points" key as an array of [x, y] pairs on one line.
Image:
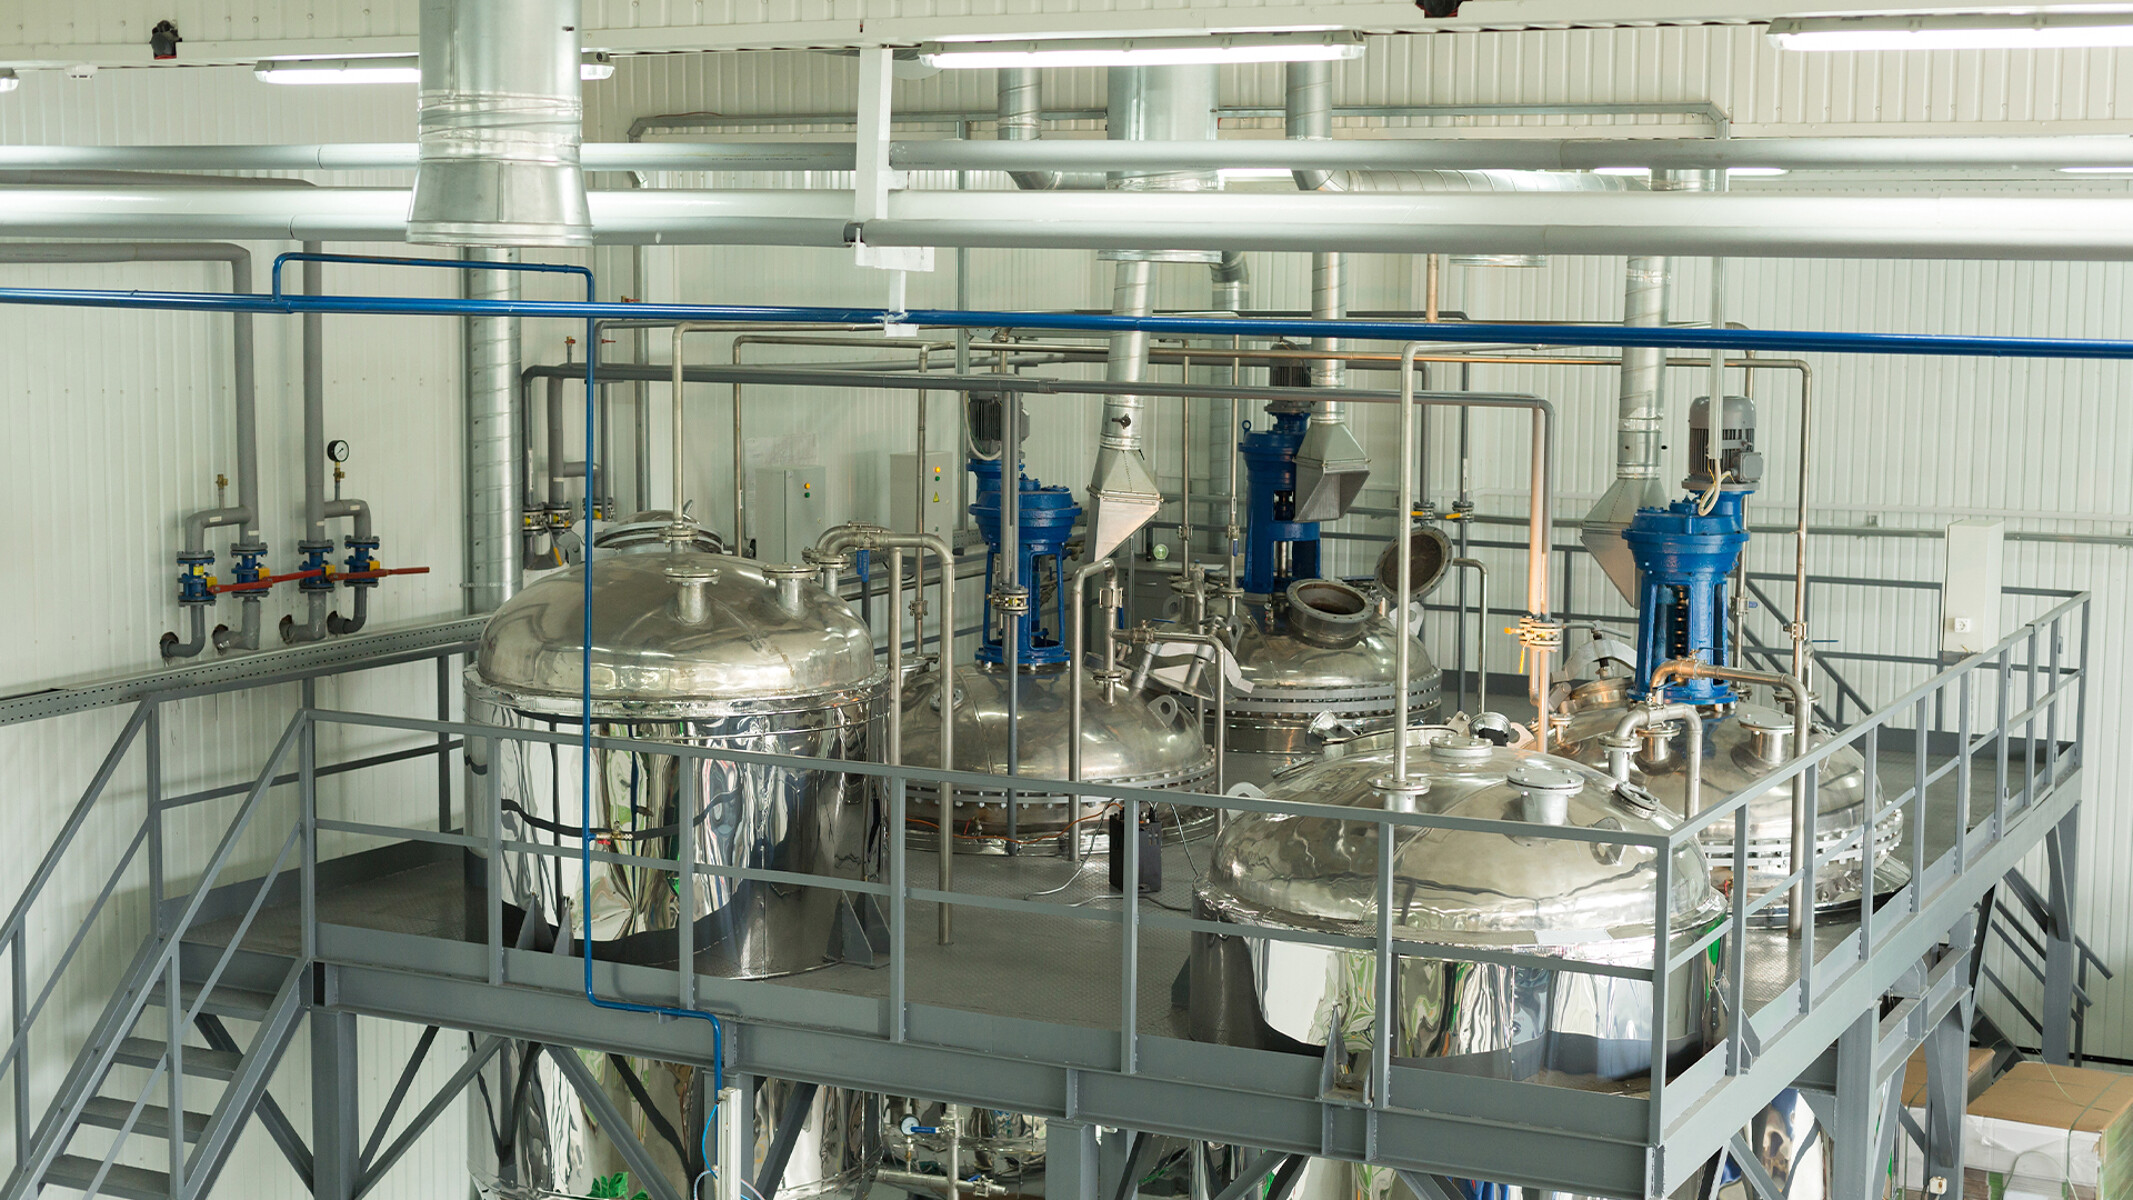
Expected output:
{"points": [[1861, 1120], [1069, 1161], [336, 1132]]}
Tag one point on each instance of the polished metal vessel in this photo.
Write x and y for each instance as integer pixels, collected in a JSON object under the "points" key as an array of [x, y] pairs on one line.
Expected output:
{"points": [[687, 647], [1327, 653], [1741, 745], [1572, 900], [1144, 739]]}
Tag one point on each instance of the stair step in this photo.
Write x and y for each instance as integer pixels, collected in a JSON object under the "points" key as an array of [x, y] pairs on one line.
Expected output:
{"points": [[154, 1121], [234, 1003], [127, 1183], [199, 1060]]}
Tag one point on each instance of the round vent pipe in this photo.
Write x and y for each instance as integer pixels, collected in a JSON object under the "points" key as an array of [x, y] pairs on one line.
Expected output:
{"points": [[500, 118]]}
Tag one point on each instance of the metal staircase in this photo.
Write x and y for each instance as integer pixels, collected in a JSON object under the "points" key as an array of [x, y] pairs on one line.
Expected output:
{"points": [[231, 1084]]}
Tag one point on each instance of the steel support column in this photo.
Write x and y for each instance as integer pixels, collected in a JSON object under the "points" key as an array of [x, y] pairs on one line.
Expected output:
{"points": [[2062, 952], [1069, 1161], [1947, 1054], [336, 1113]]}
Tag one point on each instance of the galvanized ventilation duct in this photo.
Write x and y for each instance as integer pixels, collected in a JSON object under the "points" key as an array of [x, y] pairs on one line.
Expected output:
{"points": [[1641, 414], [1148, 104], [1331, 467], [500, 120]]}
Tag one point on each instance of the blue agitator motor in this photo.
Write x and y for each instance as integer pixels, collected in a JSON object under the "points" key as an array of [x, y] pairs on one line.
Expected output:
{"points": [[1045, 518], [1687, 550], [1278, 548]]}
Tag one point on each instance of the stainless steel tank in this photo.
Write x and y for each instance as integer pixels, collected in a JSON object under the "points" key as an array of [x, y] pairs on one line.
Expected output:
{"points": [[687, 647], [1127, 737], [1327, 649], [1741, 746], [1571, 900]]}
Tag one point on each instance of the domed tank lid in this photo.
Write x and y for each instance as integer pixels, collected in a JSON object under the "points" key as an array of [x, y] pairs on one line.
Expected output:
{"points": [[677, 626], [1463, 887]]}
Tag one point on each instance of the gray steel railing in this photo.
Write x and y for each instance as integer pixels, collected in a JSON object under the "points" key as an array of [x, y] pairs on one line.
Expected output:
{"points": [[2037, 721], [2032, 659]]}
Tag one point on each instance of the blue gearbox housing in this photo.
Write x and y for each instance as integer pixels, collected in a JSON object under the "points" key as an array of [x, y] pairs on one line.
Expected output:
{"points": [[1278, 548], [1684, 558], [1044, 519]]}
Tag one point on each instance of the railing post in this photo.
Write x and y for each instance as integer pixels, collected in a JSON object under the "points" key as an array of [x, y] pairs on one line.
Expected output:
{"points": [[174, 1081], [1870, 742], [2051, 713], [1999, 765], [1662, 910], [1129, 975], [1917, 817], [19, 1003], [307, 814], [153, 776], [1737, 949], [1812, 779], [2029, 725], [444, 744], [492, 812], [687, 799], [899, 894], [1381, 978], [1962, 770]]}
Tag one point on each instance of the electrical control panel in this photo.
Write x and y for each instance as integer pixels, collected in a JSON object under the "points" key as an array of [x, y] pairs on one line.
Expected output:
{"points": [[789, 512], [925, 500], [1970, 615]]}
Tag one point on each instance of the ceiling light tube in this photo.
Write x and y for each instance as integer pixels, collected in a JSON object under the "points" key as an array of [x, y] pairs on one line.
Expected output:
{"points": [[1964, 31], [9, 81], [385, 68], [1145, 52]]}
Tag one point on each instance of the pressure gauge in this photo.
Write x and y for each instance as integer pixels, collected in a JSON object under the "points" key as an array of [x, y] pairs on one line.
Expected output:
{"points": [[337, 450]]}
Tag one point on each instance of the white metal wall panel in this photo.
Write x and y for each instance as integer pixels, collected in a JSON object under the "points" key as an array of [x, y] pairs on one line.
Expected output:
{"points": [[118, 423]]}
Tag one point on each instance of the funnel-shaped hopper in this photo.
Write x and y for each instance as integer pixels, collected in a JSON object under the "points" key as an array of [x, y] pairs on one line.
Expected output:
{"points": [[1605, 523], [1123, 496], [1330, 471]]}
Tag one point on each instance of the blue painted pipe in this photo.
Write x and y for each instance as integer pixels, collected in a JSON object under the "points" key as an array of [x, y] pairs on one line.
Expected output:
{"points": [[1790, 341]]}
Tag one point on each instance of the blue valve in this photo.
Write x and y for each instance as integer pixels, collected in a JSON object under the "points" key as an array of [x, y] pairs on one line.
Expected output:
{"points": [[194, 583], [251, 567], [315, 560], [361, 557]]}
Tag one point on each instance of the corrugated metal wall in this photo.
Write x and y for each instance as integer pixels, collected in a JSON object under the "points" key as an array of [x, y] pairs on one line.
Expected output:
{"points": [[117, 424], [139, 402]]}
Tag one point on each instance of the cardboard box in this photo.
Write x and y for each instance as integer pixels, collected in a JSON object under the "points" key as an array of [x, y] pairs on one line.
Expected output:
{"points": [[2046, 1133], [1914, 1077]]}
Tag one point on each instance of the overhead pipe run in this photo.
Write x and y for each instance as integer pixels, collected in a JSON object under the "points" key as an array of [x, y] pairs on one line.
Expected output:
{"points": [[1737, 225], [1023, 154], [500, 115]]}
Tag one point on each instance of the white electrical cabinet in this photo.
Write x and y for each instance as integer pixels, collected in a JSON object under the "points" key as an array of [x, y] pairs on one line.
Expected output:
{"points": [[788, 511], [924, 498], [1970, 592]]}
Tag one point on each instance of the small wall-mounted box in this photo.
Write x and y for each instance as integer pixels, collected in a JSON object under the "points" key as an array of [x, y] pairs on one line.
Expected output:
{"points": [[1970, 620], [787, 511], [935, 510]]}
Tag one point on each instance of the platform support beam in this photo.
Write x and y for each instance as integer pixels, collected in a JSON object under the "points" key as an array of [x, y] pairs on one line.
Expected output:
{"points": [[2062, 953]]}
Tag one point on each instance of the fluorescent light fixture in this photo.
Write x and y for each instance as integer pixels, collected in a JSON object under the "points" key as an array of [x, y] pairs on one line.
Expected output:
{"points": [[9, 81], [1963, 31], [2126, 170], [387, 68], [398, 68], [1621, 170], [1254, 174], [1146, 52]]}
